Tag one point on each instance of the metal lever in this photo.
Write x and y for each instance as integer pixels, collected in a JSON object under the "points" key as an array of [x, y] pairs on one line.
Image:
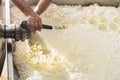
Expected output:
{"points": [[44, 26]]}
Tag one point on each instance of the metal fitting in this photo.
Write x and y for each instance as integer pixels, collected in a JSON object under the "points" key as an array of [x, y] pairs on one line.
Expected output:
{"points": [[17, 31]]}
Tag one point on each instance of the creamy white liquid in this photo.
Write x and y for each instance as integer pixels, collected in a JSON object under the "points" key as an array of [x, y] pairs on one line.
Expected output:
{"points": [[84, 45]]}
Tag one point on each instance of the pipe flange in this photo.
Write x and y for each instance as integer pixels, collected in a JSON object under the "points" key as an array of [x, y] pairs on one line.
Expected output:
{"points": [[17, 32]]}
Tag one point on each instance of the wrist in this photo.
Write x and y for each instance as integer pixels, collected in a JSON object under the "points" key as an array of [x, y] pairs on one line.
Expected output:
{"points": [[31, 13], [36, 10]]}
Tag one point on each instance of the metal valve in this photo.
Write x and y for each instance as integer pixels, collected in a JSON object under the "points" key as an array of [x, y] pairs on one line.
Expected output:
{"points": [[17, 31]]}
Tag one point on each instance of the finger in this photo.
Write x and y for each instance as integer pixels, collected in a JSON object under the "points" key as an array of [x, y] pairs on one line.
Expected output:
{"points": [[29, 25], [35, 26], [40, 26]]}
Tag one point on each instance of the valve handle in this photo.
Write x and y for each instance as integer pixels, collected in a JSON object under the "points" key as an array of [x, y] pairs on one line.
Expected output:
{"points": [[44, 26]]}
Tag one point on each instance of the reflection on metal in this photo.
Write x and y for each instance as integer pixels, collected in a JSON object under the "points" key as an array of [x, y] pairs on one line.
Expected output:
{"points": [[9, 43], [7, 12], [17, 31], [10, 60], [2, 56], [4, 62]]}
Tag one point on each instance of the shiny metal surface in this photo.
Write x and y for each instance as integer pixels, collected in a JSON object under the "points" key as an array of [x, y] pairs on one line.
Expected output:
{"points": [[9, 52], [3, 59], [11, 75], [14, 31]]}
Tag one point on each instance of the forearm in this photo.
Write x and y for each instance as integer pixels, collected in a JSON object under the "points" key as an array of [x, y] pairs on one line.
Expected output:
{"points": [[42, 6], [24, 7]]}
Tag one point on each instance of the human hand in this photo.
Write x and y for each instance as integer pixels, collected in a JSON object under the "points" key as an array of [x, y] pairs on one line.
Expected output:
{"points": [[34, 22]]}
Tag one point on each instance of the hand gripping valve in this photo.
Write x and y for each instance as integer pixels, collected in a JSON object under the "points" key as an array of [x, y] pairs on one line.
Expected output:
{"points": [[17, 31]]}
